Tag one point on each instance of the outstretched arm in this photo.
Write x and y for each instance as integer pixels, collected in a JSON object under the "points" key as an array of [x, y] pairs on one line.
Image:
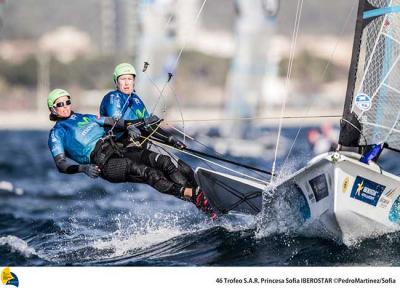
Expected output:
{"points": [[56, 146], [119, 124], [65, 166]]}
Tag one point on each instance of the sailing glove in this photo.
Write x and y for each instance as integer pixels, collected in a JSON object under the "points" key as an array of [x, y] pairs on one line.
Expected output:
{"points": [[133, 132], [117, 115], [152, 119], [90, 170]]}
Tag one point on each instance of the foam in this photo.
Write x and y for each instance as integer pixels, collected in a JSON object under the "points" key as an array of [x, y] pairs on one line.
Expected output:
{"points": [[138, 234], [18, 245]]}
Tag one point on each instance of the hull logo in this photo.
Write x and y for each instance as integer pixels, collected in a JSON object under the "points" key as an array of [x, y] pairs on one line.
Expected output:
{"points": [[363, 102], [345, 185], [367, 191]]}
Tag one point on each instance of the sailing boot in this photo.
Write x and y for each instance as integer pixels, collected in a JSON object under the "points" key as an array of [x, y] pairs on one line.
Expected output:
{"points": [[202, 203]]}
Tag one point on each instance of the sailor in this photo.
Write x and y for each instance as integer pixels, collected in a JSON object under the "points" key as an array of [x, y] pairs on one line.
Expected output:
{"points": [[323, 141], [123, 102], [83, 139]]}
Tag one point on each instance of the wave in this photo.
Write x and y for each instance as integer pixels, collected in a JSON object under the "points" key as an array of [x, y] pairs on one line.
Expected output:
{"points": [[17, 245]]}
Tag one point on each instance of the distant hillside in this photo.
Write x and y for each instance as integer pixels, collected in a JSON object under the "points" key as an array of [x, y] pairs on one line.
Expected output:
{"points": [[32, 18], [319, 16]]}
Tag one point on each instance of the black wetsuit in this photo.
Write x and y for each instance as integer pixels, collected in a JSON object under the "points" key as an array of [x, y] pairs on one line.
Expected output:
{"points": [[142, 166], [116, 162]]}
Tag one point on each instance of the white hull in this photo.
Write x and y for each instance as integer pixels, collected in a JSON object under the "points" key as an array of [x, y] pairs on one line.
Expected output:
{"points": [[334, 196], [348, 199]]}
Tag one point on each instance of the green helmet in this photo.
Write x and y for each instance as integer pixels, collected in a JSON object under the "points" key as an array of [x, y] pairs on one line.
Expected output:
{"points": [[54, 95], [122, 69]]}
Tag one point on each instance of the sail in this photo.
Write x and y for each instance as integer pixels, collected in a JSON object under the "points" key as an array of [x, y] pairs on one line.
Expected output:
{"points": [[2, 2], [372, 107], [251, 64]]}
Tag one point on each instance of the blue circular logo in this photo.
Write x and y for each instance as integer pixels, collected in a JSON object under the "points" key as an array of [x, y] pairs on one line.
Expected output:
{"points": [[363, 102]]}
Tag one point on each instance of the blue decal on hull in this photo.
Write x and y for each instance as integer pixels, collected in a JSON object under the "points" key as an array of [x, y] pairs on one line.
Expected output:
{"points": [[367, 191]]}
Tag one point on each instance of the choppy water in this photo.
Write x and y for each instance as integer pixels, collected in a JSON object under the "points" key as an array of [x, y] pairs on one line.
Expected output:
{"points": [[55, 219]]}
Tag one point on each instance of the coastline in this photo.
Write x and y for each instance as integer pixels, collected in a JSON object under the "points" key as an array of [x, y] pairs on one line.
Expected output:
{"points": [[38, 120]]}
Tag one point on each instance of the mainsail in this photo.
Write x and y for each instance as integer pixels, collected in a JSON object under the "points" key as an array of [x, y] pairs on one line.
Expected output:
{"points": [[372, 108]]}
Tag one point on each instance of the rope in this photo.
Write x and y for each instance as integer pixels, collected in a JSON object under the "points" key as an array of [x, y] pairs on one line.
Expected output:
{"points": [[122, 113], [288, 77], [212, 162], [174, 67], [256, 118], [221, 155], [180, 111], [227, 161], [151, 134], [185, 42]]}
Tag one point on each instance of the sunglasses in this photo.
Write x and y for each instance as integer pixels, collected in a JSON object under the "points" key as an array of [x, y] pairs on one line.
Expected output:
{"points": [[62, 104]]}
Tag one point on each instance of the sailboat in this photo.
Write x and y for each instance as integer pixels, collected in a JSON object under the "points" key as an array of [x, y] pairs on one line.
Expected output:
{"points": [[344, 193], [251, 68]]}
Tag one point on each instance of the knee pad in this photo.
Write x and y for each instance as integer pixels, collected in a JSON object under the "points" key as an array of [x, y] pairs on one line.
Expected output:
{"points": [[116, 170], [158, 181], [138, 170], [187, 171], [165, 163], [153, 176]]}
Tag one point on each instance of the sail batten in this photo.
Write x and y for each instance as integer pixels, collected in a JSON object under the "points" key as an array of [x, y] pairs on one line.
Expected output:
{"points": [[373, 92], [380, 11]]}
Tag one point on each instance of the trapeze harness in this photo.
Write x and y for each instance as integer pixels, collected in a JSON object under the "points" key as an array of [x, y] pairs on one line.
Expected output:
{"points": [[120, 164]]}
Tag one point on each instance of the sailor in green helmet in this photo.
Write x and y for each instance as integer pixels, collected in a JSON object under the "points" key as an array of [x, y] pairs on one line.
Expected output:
{"points": [[124, 103], [83, 139]]}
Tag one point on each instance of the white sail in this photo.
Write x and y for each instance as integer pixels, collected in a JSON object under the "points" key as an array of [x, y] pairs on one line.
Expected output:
{"points": [[254, 28]]}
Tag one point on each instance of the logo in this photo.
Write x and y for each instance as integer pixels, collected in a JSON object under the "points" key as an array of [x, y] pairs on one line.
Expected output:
{"points": [[363, 102], [85, 121], [140, 114], [345, 185], [320, 187], [390, 193], [367, 191], [394, 214], [8, 278]]}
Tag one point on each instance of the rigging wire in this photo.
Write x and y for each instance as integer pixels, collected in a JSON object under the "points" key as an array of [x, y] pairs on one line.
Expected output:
{"points": [[161, 95], [288, 77], [175, 65], [119, 117], [345, 23], [180, 111], [213, 162], [216, 152], [255, 118]]}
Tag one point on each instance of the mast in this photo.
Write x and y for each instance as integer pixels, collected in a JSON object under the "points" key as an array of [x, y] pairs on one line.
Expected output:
{"points": [[349, 136]]}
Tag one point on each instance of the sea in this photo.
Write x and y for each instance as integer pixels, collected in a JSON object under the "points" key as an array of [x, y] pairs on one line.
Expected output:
{"points": [[52, 219]]}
